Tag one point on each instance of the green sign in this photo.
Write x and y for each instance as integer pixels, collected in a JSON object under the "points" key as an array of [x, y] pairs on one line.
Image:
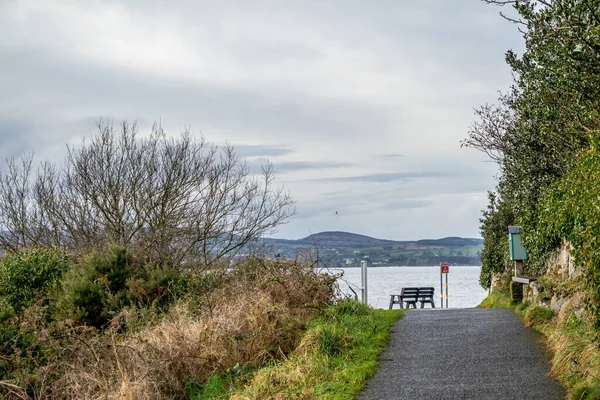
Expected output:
{"points": [[517, 250]]}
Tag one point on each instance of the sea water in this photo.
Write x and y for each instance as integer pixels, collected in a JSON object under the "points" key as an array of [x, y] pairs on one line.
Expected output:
{"points": [[464, 290]]}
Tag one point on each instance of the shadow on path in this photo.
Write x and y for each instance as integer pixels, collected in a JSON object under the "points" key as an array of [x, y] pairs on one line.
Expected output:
{"points": [[462, 354]]}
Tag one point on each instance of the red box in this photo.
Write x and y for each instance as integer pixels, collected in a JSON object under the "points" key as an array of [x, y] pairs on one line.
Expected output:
{"points": [[445, 268]]}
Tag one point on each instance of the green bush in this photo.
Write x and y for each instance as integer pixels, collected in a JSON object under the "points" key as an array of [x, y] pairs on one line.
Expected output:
{"points": [[93, 290], [198, 285], [494, 255], [571, 211], [98, 287], [21, 351], [27, 276], [155, 286]]}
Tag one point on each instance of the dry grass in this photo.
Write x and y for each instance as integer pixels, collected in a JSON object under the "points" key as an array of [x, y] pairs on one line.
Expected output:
{"points": [[333, 361], [571, 339], [258, 315], [298, 371], [575, 353]]}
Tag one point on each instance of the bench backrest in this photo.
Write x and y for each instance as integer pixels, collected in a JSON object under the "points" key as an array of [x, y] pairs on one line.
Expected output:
{"points": [[426, 292], [410, 292]]}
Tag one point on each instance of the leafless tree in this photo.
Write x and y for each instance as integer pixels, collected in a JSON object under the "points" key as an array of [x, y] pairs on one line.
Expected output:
{"points": [[176, 201], [490, 133]]}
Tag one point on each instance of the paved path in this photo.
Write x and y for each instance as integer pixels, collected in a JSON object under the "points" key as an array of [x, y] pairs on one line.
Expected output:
{"points": [[462, 354]]}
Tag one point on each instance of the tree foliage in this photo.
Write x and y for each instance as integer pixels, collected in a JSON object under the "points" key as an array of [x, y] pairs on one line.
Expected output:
{"points": [[571, 211], [494, 254], [541, 131]]}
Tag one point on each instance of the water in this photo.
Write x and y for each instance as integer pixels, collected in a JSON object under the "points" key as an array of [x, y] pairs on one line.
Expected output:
{"points": [[463, 284]]}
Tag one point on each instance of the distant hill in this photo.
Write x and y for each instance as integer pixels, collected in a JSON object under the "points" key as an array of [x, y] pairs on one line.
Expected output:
{"points": [[348, 249], [451, 241], [344, 239]]}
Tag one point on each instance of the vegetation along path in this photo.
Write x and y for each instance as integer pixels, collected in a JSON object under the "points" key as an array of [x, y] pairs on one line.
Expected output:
{"points": [[463, 354]]}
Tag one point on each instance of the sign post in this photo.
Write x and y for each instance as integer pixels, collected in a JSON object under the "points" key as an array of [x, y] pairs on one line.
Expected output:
{"points": [[441, 287], [446, 288], [444, 269]]}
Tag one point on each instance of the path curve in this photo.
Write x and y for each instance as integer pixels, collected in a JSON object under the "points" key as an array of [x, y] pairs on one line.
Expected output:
{"points": [[462, 354]]}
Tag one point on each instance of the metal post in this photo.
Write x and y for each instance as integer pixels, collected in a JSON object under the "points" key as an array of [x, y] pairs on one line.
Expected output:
{"points": [[441, 287], [363, 279], [446, 290]]}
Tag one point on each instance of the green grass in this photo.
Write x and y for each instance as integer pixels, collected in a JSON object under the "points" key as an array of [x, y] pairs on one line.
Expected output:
{"points": [[538, 315], [335, 357], [588, 390], [498, 299], [220, 386]]}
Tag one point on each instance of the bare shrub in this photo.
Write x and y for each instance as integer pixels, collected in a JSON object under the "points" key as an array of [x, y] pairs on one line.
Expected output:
{"points": [[172, 200]]}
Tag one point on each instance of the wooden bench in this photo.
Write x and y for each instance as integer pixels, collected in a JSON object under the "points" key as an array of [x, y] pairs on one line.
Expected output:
{"points": [[518, 293], [526, 280], [426, 296], [409, 296]]}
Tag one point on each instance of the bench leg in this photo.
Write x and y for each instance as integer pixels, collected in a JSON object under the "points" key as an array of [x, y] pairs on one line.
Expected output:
{"points": [[391, 302]]}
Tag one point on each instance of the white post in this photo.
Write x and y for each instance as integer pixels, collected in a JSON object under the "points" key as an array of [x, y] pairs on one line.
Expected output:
{"points": [[363, 280]]}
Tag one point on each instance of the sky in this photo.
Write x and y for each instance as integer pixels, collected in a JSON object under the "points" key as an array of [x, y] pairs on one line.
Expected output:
{"points": [[360, 105]]}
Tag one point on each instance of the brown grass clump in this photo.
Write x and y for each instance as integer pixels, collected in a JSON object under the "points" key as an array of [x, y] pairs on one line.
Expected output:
{"points": [[299, 372], [267, 384], [256, 315], [576, 359], [571, 353]]}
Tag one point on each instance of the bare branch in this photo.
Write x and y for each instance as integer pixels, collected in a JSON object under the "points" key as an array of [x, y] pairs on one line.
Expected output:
{"points": [[174, 201]]}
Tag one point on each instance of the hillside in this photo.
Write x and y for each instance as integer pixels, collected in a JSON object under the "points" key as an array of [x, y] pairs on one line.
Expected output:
{"points": [[348, 249]]}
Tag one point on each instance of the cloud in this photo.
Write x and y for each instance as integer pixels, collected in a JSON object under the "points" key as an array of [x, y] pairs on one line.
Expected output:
{"points": [[304, 165], [250, 150], [407, 203], [390, 156], [384, 177], [14, 128], [361, 108]]}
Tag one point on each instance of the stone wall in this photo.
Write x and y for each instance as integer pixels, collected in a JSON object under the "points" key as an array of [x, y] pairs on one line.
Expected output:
{"points": [[557, 287], [561, 264]]}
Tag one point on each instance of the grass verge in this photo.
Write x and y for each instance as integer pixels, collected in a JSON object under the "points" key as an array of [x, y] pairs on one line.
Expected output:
{"points": [[498, 299], [569, 336], [333, 360]]}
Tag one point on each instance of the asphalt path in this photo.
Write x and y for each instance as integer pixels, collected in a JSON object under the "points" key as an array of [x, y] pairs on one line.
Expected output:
{"points": [[463, 354]]}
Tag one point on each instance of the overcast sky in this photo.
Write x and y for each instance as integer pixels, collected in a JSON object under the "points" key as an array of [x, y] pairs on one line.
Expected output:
{"points": [[361, 105]]}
